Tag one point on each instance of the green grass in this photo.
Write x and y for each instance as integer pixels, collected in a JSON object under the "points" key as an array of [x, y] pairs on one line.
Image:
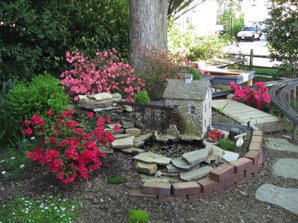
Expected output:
{"points": [[117, 180], [42, 209]]}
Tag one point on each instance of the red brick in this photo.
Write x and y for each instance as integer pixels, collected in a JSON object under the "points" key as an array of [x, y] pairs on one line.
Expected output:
{"points": [[156, 188], [257, 133], [138, 193], [209, 186], [256, 138], [253, 155], [241, 164], [246, 179], [255, 146], [221, 172], [186, 188], [229, 186]]}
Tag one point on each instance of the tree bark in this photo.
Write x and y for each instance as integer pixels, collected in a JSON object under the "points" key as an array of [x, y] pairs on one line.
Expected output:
{"points": [[148, 27]]}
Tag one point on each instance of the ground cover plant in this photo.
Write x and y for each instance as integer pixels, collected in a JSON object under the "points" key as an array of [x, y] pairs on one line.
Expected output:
{"points": [[40, 209]]}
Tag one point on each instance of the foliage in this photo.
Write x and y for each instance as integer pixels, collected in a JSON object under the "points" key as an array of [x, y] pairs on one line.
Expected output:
{"points": [[282, 35], [65, 148], [159, 67], [195, 73], [256, 98], [138, 216], [196, 47], [13, 161], [142, 97], [177, 8], [226, 16], [42, 209], [117, 180], [226, 144], [104, 73], [36, 34], [42, 94]]}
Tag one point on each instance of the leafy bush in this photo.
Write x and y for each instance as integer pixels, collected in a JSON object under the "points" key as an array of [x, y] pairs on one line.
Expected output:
{"points": [[65, 148], [142, 97], [226, 144], [159, 66], [104, 73], [42, 94], [42, 209], [35, 34], [194, 47], [138, 216]]}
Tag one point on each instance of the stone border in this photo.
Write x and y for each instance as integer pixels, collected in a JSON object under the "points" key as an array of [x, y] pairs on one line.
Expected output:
{"points": [[223, 177]]}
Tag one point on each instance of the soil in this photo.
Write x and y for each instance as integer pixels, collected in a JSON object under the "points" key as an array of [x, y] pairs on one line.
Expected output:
{"points": [[111, 203]]}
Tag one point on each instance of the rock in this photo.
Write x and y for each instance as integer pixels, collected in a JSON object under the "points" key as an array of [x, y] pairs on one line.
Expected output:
{"points": [[101, 96], [123, 142], [148, 178], [187, 137], [132, 150], [163, 138], [280, 145], [133, 131], [216, 155], [140, 140], [181, 163], [106, 150], [172, 130], [286, 167], [103, 109], [196, 173], [128, 125], [93, 104], [121, 136], [197, 156], [127, 108], [112, 125], [116, 96], [286, 198], [170, 168], [148, 168], [150, 157], [230, 156]]}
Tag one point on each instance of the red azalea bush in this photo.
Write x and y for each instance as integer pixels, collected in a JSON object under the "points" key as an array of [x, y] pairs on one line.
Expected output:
{"points": [[104, 73], [67, 149], [255, 98]]}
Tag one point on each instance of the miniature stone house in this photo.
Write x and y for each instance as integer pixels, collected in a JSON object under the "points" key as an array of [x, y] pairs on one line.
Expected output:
{"points": [[192, 98]]}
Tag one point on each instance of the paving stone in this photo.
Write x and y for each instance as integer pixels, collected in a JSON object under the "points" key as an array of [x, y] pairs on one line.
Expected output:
{"points": [[181, 163], [150, 157], [128, 125], [286, 198], [286, 168], [100, 96], [196, 173], [173, 169], [280, 145], [121, 136], [132, 150], [106, 150], [216, 155], [140, 140], [133, 131], [163, 179], [197, 156], [230, 156]]}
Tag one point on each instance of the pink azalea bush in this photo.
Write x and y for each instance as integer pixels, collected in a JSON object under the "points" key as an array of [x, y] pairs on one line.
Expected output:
{"points": [[255, 98], [104, 73], [67, 149]]}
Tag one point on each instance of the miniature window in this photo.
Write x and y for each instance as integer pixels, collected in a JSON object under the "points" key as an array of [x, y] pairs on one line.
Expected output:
{"points": [[192, 109]]}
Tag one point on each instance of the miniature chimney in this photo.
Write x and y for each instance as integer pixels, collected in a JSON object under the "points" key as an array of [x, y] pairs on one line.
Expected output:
{"points": [[188, 78]]}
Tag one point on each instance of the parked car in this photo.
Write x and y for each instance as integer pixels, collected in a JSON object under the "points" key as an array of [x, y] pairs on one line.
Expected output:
{"points": [[214, 135], [249, 33]]}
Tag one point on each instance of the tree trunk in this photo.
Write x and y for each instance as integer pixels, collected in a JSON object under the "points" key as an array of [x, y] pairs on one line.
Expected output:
{"points": [[148, 27]]}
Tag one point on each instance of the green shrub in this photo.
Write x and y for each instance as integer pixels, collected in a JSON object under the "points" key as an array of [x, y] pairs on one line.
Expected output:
{"points": [[37, 97], [138, 216], [42, 209], [117, 180], [142, 97], [226, 144], [196, 74]]}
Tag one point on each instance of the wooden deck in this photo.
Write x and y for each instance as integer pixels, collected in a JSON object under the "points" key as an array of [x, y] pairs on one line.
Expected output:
{"points": [[243, 113]]}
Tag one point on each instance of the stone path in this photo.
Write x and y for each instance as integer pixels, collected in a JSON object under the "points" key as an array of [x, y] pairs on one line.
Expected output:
{"points": [[286, 198]]}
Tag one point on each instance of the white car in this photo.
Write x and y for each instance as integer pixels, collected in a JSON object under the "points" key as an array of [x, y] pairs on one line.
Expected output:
{"points": [[249, 33]]}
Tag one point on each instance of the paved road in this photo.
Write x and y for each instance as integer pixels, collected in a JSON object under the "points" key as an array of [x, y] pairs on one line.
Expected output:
{"points": [[259, 48]]}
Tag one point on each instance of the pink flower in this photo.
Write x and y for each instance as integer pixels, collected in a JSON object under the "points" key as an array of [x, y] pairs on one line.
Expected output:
{"points": [[26, 122], [27, 132], [90, 114]]}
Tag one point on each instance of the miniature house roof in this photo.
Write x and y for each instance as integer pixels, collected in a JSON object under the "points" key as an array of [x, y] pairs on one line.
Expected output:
{"points": [[179, 89]]}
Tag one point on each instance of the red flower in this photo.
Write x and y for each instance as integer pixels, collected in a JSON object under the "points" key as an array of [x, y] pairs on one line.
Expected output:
{"points": [[90, 114], [27, 132], [26, 122], [50, 113]]}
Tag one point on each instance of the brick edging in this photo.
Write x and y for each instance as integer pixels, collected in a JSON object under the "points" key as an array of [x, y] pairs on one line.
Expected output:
{"points": [[221, 178]]}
